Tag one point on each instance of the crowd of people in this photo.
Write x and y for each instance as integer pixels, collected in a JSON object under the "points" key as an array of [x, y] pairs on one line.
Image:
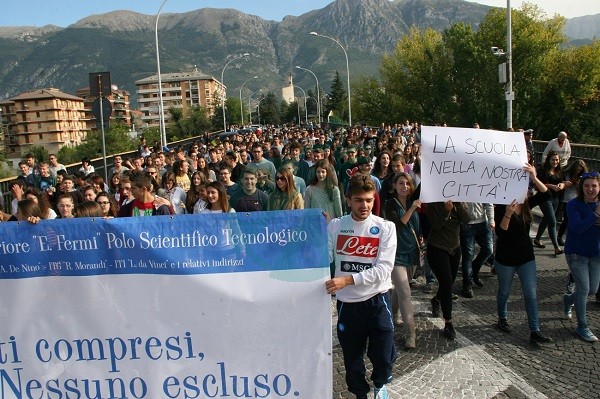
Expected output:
{"points": [[354, 175]]}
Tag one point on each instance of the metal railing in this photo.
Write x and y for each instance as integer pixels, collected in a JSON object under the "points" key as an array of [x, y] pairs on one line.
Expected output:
{"points": [[97, 163]]}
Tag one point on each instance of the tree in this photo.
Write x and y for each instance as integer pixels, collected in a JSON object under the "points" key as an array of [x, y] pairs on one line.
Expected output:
{"points": [[269, 110], [289, 112], [370, 102], [536, 41], [191, 124], [39, 153], [117, 140], [416, 77], [337, 99]]}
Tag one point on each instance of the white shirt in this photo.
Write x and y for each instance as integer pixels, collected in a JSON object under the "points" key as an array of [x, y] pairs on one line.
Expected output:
{"points": [[366, 251]]}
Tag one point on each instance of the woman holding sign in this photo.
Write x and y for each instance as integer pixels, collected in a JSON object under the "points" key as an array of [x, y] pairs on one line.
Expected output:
{"points": [[514, 254]]}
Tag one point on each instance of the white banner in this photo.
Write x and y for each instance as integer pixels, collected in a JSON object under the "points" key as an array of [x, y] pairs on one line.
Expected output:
{"points": [[472, 165], [135, 328]]}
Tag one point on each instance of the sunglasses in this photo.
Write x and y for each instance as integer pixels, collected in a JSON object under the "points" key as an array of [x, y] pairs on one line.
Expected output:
{"points": [[587, 175], [103, 202], [281, 178]]}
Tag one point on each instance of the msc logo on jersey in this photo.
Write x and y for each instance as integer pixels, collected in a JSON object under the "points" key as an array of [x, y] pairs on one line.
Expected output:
{"points": [[374, 230], [354, 267]]}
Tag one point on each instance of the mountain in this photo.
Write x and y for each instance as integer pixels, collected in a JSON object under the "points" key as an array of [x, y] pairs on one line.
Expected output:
{"points": [[586, 27], [123, 42]]}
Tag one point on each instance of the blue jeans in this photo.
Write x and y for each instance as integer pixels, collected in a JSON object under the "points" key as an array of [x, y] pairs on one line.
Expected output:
{"points": [[528, 275], [586, 273], [549, 208], [470, 234]]}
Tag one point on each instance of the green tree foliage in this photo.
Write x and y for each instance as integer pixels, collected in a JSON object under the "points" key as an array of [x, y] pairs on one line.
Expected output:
{"points": [[572, 93], [117, 140], [289, 112], [191, 123], [337, 100], [452, 77], [39, 153], [269, 110], [370, 103], [232, 114], [416, 77]]}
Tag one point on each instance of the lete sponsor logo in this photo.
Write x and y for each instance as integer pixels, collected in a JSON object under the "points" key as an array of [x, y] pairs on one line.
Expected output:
{"points": [[366, 247]]}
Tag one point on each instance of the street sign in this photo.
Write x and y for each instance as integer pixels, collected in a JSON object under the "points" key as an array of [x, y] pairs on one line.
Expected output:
{"points": [[106, 110], [100, 82]]}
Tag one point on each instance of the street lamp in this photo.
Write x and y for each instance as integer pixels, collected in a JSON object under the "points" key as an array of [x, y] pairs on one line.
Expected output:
{"points": [[318, 92], [223, 83], [506, 76], [305, 109], [250, 109], [258, 108], [161, 110], [347, 73], [241, 106]]}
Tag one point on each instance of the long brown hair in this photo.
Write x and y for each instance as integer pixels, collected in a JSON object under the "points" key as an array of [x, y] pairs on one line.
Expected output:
{"points": [[223, 200]]}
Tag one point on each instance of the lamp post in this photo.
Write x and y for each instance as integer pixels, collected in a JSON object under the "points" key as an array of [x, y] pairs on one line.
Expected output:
{"points": [[241, 106], [347, 73], [161, 110], [258, 108], [223, 83], [305, 110], [505, 69], [250, 109], [510, 95], [318, 92]]}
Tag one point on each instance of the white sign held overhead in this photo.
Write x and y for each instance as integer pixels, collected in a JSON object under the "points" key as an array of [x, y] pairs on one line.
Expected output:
{"points": [[472, 165]]}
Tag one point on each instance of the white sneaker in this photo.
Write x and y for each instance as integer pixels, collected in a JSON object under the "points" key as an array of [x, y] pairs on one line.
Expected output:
{"points": [[586, 334], [381, 393]]}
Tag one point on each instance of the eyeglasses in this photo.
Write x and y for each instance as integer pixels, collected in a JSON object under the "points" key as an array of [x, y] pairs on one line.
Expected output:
{"points": [[151, 173], [587, 175], [102, 202]]}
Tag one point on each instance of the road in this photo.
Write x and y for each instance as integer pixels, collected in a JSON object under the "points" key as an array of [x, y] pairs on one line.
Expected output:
{"points": [[486, 363]]}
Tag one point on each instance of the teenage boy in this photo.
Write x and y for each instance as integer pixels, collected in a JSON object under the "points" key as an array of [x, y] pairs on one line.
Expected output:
{"points": [[363, 247]]}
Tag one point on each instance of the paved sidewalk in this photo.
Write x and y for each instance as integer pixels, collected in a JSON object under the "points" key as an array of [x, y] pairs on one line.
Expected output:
{"points": [[486, 363]]}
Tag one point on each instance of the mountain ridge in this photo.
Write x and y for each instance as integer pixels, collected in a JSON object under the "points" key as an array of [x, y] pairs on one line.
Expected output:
{"points": [[123, 43]]}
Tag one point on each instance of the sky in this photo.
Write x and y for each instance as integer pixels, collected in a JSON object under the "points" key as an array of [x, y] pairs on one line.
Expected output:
{"points": [[67, 12]]}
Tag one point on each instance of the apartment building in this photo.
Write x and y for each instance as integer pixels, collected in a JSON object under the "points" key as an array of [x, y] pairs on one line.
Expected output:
{"points": [[180, 90], [45, 117], [119, 100]]}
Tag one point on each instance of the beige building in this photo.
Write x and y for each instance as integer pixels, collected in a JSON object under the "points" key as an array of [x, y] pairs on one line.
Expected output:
{"points": [[46, 117], [180, 90], [119, 100]]}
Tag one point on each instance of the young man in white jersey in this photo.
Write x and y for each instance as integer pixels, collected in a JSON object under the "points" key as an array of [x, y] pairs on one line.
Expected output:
{"points": [[363, 247]]}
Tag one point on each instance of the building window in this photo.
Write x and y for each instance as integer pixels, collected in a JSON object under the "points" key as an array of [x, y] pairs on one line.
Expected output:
{"points": [[41, 137], [37, 103], [37, 114], [39, 125]]}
